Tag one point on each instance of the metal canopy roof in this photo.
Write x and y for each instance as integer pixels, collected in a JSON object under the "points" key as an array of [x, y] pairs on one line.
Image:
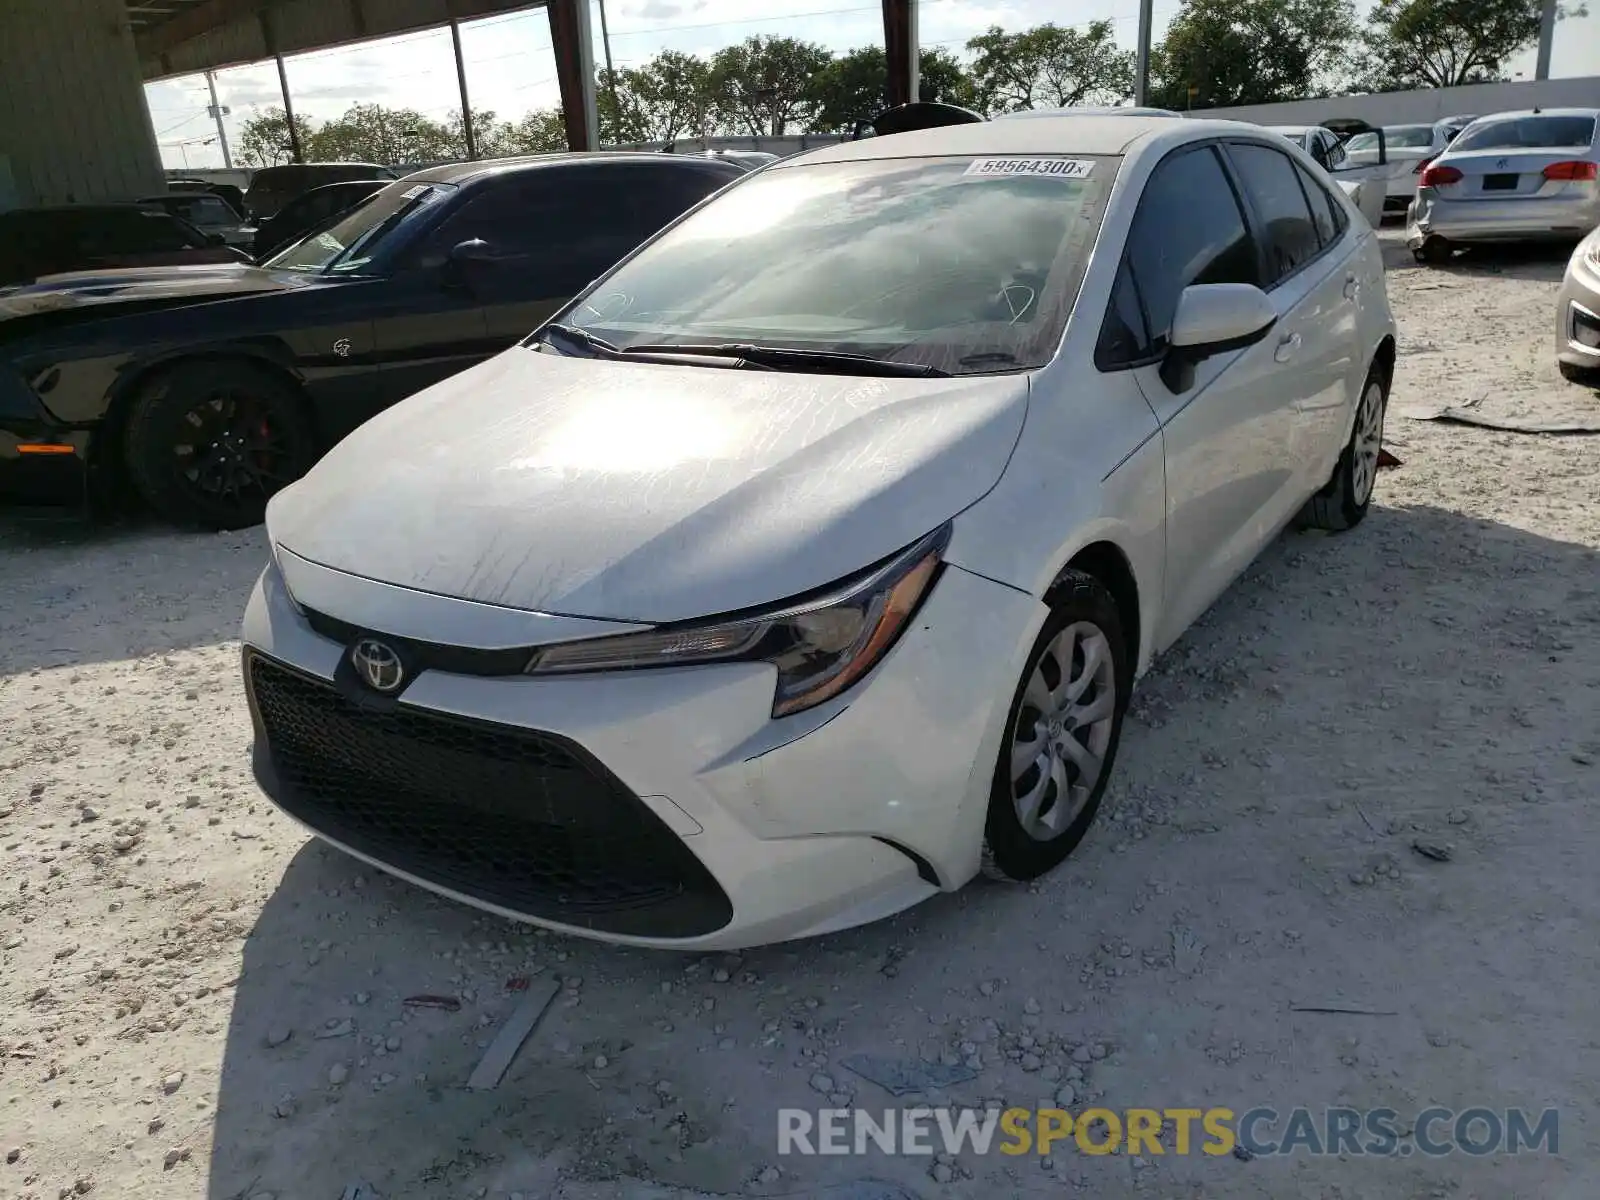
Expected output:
{"points": [[178, 37]]}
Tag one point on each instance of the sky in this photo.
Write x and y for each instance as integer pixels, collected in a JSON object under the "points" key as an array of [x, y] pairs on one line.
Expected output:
{"points": [[511, 69]]}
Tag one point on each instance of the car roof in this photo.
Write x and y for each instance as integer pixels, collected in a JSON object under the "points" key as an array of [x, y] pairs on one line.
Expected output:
{"points": [[1086, 110], [76, 210], [1539, 112], [1045, 135], [462, 172], [1291, 130], [312, 166]]}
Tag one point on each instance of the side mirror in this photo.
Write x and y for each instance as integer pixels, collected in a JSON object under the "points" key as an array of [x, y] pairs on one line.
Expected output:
{"points": [[465, 261], [471, 253], [1214, 318]]}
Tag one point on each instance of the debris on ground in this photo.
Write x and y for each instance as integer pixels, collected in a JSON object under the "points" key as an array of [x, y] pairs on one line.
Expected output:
{"points": [[904, 1076], [1432, 850], [492, 1067]]}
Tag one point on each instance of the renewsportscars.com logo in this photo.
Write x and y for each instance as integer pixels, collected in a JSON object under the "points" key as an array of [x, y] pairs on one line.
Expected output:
{"points": [[1377, 1132]]}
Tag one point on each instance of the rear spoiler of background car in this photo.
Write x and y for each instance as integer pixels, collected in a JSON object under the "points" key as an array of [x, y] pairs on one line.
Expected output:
{"points": [[919, 114]]}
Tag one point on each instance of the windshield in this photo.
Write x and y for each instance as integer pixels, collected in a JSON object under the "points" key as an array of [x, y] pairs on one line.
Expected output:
{"points": [[1527, 133], [960, 264], [350, 240]]}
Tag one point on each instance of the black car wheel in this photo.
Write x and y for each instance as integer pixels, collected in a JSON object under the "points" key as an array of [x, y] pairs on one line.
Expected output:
{"points": [[209, 443]]}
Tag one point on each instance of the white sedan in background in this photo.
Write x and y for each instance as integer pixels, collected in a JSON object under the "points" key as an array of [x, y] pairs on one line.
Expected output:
{"points": [[802, 567], [1406, 151]]}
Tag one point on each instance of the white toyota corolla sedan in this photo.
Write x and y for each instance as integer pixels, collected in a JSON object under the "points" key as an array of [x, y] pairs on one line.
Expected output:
{"points": [[802, 566]]}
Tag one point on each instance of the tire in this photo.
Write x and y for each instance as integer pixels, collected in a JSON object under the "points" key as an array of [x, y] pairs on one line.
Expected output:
{"points": [[1582, 376], [1436, 252], [1084, 624], [208, 443], [1345, 498]]}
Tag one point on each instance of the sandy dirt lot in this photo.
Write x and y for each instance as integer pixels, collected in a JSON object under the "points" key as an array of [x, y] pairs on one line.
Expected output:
{"points": [[198, 1001]]}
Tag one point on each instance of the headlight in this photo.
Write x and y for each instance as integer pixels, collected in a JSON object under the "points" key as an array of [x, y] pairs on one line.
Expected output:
{"points": [[1592, 253], [820, 645]]}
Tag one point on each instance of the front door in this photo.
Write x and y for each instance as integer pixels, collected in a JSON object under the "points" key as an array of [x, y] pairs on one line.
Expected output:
{"points": [[1229, 438]]}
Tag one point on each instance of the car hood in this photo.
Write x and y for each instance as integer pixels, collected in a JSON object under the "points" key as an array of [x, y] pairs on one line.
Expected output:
{"points": [[647, 492], [138, 288]]}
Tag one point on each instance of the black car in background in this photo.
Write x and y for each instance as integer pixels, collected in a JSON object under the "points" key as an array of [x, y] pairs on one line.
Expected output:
{"points": [[273, 187], [206, 390], [91, 237], [296, 218]]}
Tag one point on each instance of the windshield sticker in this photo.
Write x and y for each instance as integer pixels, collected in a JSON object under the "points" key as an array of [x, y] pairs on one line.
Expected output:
{"points": [[421, 189], [1052, 168]]}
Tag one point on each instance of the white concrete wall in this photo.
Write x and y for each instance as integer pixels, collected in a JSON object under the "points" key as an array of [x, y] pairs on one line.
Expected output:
{"points": [[1421, 107], [73, 121]]}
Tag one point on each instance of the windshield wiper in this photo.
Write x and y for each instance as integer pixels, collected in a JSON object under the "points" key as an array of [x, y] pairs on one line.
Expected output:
{"points": [[778, 358], [581, 337]]}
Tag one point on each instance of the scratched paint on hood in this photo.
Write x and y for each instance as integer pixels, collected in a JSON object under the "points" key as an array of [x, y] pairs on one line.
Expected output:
{"points": [[647, 492]]}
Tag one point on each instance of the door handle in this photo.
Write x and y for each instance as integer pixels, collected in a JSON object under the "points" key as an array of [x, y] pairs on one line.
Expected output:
{"points": [[1288, 348]]}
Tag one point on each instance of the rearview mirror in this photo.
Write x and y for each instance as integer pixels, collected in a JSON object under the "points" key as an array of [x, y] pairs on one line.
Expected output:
{"points": [[1212, 319]]}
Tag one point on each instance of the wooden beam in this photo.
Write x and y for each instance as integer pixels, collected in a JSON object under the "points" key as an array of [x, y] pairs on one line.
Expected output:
{"points": [[574, 51], [900, 48]]}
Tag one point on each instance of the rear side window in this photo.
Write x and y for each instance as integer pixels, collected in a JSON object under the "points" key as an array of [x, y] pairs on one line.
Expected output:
{"points": [[1288, 233], [1528, 133], [1326, 214], [1188, 229]]}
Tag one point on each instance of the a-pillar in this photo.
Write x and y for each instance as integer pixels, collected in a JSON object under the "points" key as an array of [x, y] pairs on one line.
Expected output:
{"points": [[74, 126], [900, 45], [573, 44]]}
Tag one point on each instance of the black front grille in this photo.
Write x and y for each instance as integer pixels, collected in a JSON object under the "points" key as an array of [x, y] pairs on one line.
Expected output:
{"points": [[523, 820]]}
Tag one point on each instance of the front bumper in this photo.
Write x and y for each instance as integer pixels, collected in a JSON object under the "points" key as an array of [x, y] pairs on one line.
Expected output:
{"points": [[42, 462], [743, 830], [1530, 218], [1578, 314]]}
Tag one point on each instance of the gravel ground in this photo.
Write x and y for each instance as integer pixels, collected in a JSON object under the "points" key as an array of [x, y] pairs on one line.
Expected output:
{"points": [[195, 1000]]}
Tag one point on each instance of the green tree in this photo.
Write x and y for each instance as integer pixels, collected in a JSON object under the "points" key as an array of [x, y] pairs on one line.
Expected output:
{"points": [[373, 133], [762, 86], [492, 135], [541, 131], [1445, 43], [1251, 51], [667, 98], [1050, 66], [264, 138], [856, 86]]}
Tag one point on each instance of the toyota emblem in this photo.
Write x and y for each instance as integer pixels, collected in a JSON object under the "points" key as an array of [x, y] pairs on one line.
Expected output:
{"points": [[378, 665]]}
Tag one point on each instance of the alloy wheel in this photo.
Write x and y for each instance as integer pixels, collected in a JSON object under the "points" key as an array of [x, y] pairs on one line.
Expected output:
{"points": [[1063, 730], [1367, 443], [228, 446]]}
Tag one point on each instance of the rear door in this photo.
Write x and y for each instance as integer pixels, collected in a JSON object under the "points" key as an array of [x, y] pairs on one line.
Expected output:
{"points": [[1314, 289]]}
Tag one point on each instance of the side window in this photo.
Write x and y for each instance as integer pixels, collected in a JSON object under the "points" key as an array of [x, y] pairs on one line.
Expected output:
{"points": [[1288, 234], [1325, 212], [1319, 150], [1336, 154], [1124, 338], [1188, 229], [512, 221]]}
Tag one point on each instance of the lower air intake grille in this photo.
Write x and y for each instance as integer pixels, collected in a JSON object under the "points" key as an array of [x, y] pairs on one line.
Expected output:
{"points": [[523, 820]]}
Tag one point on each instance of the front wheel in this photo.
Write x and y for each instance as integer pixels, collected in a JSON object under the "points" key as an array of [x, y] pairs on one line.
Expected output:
{"points": [[209, 443], [1435, 252], [1345, 498], [1061, 734]]}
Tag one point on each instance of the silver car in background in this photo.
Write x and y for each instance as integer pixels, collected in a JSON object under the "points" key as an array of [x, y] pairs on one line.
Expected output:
{"points": [[1512, 177], [1578, 315]]}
